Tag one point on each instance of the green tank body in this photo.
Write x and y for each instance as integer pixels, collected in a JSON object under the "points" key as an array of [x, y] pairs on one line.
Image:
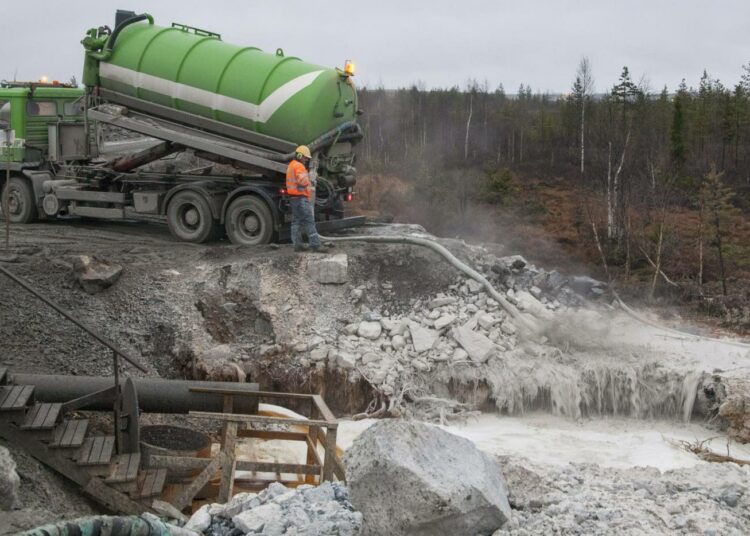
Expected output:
{"points": [[195, 71]]}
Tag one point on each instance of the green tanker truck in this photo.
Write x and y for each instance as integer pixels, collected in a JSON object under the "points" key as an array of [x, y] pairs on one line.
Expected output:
{"points": [[184, 89]]}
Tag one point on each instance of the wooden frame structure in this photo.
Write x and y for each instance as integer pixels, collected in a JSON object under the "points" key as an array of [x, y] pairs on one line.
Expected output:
{"points": [[321, 430]]}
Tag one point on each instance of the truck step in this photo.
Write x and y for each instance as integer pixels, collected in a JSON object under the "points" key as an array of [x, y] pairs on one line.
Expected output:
{"points": [[96, 451], [15, 397], [42, 417], [125, 468], [70, 434], [150, 483]]}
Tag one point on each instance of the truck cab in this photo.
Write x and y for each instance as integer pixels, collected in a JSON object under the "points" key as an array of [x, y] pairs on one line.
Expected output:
{"points": [[27, 110]]}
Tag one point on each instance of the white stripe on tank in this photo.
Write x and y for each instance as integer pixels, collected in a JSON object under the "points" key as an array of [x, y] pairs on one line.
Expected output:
{"points": [[257, 112]]}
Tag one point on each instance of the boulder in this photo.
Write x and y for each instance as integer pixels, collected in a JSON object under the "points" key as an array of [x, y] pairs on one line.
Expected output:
{"points": [[9, 481], [329, 270], [95, 274], [398, 342], [369, 329], [476, 345], [422, 338], [443, 485], [319, 354]]}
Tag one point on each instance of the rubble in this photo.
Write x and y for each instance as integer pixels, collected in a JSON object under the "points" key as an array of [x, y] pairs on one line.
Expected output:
{"points": [[277, 510], [409, 478], [422, 338], [477, 346]]}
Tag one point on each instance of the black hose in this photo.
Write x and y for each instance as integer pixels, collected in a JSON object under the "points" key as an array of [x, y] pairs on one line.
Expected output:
{"points": [[126, 22]]}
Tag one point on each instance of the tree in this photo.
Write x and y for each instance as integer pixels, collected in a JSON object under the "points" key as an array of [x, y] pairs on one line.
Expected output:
{"points": [[716, 198], [677, 134], [582, 90]]}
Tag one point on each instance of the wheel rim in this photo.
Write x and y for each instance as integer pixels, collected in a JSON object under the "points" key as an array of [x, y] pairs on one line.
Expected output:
{"points": [[248, 225], [15, 202], [189, 217]]}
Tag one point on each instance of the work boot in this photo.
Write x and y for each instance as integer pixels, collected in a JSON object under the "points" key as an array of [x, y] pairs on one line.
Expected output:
{"points": [[316, 249]]}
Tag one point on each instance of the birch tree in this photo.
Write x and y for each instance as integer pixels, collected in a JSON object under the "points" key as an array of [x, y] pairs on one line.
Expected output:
{"points": [[583, 88]]}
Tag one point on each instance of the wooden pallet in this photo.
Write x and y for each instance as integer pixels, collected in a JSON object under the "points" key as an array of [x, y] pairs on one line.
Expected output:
{"points": [[15, 397], [42, 417], [70, 434]]}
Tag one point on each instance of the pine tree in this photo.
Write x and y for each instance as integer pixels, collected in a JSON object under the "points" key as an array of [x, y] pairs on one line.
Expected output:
{"points": [[716, 199], [677, 135]]}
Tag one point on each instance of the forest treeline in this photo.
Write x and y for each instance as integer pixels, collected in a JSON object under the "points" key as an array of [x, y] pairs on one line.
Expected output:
{"points": [[636, 155]]}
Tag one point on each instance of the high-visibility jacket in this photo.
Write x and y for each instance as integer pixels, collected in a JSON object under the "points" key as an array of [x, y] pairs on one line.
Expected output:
{"points": [[298, 180]]}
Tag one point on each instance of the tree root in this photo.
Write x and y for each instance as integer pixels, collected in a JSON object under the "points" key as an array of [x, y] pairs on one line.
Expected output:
{"points": [[700, 449]]}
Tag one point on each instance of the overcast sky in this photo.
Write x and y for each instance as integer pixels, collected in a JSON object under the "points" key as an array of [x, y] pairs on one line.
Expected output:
{"points": [[440, 42]]}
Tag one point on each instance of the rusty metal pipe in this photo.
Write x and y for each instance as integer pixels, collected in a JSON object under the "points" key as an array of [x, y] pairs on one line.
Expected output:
{"points": [[154, 395]]}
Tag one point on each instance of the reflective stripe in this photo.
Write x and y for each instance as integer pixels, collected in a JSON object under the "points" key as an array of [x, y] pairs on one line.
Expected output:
{"points": [[257, 112]]}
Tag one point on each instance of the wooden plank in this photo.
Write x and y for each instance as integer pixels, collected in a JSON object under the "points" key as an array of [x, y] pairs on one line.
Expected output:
{"points": [[150, 483], [70, 434], [182, 500], [96, 450], [323, 408], [260, 419], [42, 417], [274, 467], [15, 397], [178, 462], [228, 467], [125, 468], [329, 456], [273, 434]]}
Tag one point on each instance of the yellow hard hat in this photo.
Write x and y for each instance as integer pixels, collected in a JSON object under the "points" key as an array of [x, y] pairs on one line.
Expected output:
{"points": [[304, 150]]}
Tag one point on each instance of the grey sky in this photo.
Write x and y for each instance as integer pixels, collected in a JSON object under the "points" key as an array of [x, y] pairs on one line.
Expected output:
{"points": [[441, 43]]}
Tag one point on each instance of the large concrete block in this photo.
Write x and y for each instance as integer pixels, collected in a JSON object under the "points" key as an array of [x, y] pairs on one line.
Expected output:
{"points": [[410, 478], [329, 270]]}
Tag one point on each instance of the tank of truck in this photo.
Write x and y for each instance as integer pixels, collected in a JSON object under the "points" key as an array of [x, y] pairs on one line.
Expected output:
{"points": [[195, 71]]}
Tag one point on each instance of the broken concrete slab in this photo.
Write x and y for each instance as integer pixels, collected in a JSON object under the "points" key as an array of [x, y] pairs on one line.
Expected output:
{"points": [[486, 321], [329, 270], [478, 346], [95, 274], [446, 485], [444, 321], [422, 338]]}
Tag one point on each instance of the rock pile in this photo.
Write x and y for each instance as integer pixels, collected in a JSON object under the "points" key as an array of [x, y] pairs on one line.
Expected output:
{"points": [[277, 510], [462, 325], [412, 479]]}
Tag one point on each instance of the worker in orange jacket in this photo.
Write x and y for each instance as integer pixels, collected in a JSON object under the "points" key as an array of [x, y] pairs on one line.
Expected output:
{"points": [[300, 190]]}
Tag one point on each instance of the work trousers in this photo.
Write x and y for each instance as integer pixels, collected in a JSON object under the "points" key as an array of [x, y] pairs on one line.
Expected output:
{"points": [[303, 220]]}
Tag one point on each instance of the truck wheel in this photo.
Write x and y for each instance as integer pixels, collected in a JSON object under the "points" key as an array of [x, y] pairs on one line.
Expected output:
{"points": [[20, 201], [189, 217], [248, 221]]}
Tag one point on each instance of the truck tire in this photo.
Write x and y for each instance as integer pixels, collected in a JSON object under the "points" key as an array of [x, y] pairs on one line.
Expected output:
{"points": [[189, 217], [21, 201], [248, 221]]}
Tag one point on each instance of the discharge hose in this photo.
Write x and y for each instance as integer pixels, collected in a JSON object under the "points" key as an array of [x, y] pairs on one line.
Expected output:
{"points": [[146, 525], [522, 322]]}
